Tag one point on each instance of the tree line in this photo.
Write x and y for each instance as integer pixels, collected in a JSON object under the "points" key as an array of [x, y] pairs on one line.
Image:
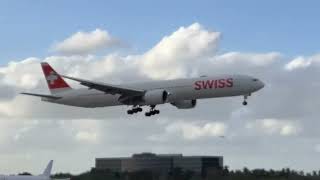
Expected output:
{"points": [[180, 174]]}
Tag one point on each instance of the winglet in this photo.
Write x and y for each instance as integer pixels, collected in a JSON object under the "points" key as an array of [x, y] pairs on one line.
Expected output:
{"points": [[47, 171]]}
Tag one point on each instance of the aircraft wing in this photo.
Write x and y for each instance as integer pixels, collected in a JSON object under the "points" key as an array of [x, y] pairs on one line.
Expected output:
{"points": [[42, 95], [107, 88]]}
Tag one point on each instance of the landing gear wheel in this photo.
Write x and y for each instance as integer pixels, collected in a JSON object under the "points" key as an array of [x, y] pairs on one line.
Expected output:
{"points": [[134, 110], [244, 103], [152, 111], [130, 111]]}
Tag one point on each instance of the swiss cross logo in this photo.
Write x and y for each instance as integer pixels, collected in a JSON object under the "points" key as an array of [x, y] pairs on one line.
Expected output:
{"points": [[52, 77]]}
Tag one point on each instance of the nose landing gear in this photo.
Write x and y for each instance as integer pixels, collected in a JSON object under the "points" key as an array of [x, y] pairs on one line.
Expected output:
{"points": [[245, 100]]}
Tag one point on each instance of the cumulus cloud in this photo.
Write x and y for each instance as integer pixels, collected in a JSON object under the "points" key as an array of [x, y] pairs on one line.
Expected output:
{"points": [[86, 42], [248, 59], [23, 74], [174, 55], [275, 126], [191, 131], [287, 108], [302, 62], [297, 63]]}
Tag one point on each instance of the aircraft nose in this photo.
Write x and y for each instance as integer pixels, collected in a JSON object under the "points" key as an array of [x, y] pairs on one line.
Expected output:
{"points": [[261, 84], [258, 84]]}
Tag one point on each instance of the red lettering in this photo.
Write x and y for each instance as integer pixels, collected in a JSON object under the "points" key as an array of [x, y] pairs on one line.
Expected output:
{"points": [[207, 84], [210, 84], [222, 83], [215, 84], [229, 82], [197, 85]]}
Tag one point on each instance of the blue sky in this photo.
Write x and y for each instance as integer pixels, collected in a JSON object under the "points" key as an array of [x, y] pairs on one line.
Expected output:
{"points": [[29, 28]]}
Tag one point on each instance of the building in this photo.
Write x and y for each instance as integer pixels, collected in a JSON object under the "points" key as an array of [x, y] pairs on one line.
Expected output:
{"points": [[162, 163]]}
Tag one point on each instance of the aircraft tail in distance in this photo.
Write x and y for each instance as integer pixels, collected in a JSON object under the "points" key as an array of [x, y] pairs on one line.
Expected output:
{"points": [[47, 171]]}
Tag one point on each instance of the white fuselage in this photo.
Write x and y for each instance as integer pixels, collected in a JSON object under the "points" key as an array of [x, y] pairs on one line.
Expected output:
{"points": [[24, 177], [179, 89]]}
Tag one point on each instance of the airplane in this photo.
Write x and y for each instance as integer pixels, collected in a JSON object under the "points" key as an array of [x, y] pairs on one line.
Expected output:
{"points": [[181, 93], [44, 176]]}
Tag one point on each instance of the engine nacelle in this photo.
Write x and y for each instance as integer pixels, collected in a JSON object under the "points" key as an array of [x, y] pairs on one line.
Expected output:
{"points": [[154, 97], [185, 104]]}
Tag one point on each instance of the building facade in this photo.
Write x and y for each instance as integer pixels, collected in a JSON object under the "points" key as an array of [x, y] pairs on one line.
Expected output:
{"points": [[162, 163]]}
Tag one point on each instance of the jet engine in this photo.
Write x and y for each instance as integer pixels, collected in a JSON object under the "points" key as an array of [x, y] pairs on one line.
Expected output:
{"points": [[185, 104], [154, 97]]}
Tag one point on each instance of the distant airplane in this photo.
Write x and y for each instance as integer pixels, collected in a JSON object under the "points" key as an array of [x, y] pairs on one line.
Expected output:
{"points": [[44, 176], [182, 93]]}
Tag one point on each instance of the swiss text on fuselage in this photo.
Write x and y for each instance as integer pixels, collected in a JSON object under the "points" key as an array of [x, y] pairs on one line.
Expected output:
{"points": [[213, 84]]}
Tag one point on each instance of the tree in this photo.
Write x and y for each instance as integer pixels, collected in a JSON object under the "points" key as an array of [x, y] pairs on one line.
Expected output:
{"points": [[25, 174]]}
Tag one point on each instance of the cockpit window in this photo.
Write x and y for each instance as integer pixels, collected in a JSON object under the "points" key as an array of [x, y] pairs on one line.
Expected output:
{"points": [[255, 79]]}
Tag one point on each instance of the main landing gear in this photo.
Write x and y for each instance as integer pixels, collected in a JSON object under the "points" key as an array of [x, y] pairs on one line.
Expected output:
{"points": [[245, 100], [134, 110], [152, 111], [137, 109]]}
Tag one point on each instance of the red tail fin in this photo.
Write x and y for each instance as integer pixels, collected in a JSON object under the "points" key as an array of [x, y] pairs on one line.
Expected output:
{"points": [[54, 80]]}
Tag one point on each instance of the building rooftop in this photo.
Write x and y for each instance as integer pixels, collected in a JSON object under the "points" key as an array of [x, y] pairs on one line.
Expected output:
{"points": [[153, 155]]}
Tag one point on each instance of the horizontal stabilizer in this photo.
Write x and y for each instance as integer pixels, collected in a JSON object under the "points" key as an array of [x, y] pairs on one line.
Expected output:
{"points": [[42, 95]]}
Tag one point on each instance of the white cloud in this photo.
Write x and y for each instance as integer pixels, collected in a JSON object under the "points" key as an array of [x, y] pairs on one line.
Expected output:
{"points": [[23, 74], [275, 126], [84, 130], [174, 55], [191, 131], [85, 136], [86, 42], [297, 63], [302, 62], [247, 59]]}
